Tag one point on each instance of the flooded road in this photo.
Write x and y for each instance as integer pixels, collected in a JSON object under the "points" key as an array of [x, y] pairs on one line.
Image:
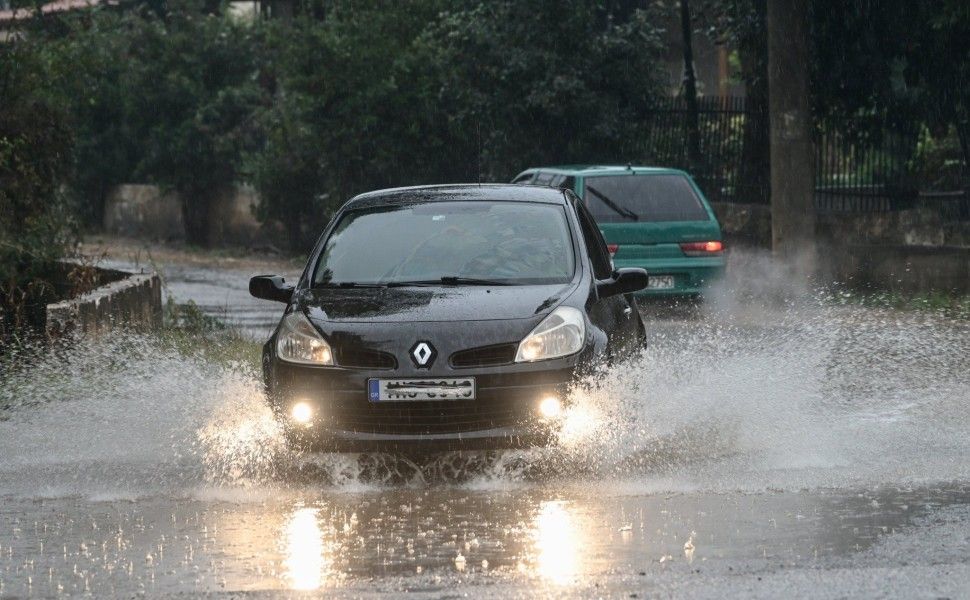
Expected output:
{"points": [[554, 540], [216, 282], [756, 448]]}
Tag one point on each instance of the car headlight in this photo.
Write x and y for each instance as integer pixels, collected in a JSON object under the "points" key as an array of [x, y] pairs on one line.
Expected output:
{"points": [[560, 334], [298, 341]]}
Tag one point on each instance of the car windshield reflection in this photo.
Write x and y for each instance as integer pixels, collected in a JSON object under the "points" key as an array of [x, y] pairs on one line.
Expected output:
{"points": [[448, 243]]}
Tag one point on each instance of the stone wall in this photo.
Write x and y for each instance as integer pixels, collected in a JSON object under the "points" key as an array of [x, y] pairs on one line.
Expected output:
{"points": [[899, 268], [145, 211], [912, 250], [130, 300]]}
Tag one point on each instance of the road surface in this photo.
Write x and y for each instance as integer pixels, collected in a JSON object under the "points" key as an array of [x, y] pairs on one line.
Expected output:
{"points": [[759, 448]]}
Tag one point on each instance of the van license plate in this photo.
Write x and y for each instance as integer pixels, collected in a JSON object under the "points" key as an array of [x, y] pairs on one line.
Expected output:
{"points": [[419, 390], [660, 282]]}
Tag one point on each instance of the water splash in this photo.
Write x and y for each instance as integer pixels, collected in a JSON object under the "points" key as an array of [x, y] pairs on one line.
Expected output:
{"points": [[128, 415], [800, 393]]}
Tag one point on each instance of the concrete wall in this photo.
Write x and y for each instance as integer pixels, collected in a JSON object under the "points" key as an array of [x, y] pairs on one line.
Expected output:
{"points": [[131, 300], [901, 268], [145, 211], [910, 250]]}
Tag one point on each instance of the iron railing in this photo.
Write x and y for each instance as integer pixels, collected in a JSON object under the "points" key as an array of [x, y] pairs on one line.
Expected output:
{"points": [[866, 163]]}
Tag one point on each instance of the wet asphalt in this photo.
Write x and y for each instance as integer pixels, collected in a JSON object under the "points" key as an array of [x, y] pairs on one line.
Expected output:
{"points": [[825, 453]]}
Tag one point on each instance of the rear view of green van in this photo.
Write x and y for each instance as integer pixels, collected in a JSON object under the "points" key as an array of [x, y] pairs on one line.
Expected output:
{"points": [[657, 219]]}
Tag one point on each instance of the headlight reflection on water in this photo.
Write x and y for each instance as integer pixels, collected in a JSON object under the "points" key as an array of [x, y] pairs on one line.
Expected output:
{"points": [[305, 561], [557, 544]]}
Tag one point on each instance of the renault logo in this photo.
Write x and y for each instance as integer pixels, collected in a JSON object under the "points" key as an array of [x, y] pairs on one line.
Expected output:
{"points": [[423, 354]]}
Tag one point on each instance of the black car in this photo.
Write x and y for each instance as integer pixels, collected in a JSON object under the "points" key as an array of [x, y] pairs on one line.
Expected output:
{"points": [[445, 317]]}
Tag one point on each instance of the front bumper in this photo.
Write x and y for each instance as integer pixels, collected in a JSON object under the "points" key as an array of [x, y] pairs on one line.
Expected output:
{"points": [[503, 415], [341, 440]]}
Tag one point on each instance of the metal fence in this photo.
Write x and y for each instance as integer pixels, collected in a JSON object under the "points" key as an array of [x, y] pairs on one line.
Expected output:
{"points": [[869, 163], [864, 164], [722, 123]]}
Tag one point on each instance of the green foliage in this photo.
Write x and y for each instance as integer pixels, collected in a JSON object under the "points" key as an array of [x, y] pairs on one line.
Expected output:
{"points": [[85, 69], [909, 60], [530, 82], [444, 92], [950, 305], [348, 114], [186, 329], [191, 75], [35, 159], [162, 93]]}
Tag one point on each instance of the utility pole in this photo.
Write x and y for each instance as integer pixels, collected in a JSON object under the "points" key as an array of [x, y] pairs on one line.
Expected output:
{"points": [[792, 148]]}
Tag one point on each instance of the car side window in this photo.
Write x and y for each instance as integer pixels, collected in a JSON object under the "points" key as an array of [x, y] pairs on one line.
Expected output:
{"points": [[544, 178], [599, 256]]}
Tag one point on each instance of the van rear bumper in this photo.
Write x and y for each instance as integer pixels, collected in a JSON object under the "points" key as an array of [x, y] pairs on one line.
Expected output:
{"points": [[692, 276]]}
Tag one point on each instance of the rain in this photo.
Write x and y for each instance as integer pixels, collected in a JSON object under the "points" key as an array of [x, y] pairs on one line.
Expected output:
{"points": [[784, 182]]}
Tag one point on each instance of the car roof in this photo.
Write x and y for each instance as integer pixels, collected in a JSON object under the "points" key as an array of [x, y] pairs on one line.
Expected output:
{"points": [[594, 170], [458, 192]]}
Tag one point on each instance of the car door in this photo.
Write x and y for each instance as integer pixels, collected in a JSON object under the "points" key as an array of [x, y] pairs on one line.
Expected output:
{"points": [[615, 315]]}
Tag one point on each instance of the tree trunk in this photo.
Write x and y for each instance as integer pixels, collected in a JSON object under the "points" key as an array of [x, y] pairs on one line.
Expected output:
{"points": [[294, 230], [755, 168], [690, 89], [196, 206], [792, 149]]}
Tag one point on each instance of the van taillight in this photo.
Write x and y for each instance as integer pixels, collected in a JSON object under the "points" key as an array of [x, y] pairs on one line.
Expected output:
{"points": [[612, 248], [702, 248]]}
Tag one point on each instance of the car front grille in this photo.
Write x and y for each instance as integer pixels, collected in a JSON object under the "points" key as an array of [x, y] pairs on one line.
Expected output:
{"points": [[413, 418], [365, 359], [486, 356]]}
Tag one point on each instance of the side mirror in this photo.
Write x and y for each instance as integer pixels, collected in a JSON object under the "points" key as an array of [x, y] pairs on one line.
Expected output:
{"points": [[270, 287], [623, 281]]}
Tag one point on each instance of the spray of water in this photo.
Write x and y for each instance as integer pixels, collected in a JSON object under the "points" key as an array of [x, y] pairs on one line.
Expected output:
{"points": [[765, 386], [127, 415], [771, 384]]}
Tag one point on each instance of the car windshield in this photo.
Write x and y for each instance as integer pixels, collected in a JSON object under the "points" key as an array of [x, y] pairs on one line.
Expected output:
{"points": [[631, 198], [511, 243]]}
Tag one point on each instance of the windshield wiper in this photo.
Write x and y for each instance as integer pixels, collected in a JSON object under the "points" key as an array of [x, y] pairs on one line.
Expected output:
{"points": [[448, 280], [347, 284], [623, 212]]}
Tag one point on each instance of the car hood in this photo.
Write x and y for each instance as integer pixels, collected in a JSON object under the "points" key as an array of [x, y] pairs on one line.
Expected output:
{"points": [[433, 304]]}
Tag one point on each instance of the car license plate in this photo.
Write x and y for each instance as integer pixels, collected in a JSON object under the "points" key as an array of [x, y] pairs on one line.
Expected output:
{"points": [[660, 282], [418, 390]]}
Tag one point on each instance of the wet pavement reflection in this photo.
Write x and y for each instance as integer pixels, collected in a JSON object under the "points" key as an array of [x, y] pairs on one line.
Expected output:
{"points": [[316, 540]]}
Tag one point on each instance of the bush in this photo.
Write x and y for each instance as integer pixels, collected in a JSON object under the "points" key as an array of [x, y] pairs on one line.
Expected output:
{"points": [[36, 225], [192, 85], [446, 92]]}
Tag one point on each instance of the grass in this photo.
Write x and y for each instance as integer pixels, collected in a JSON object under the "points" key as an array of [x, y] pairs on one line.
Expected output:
{"points": [[186, 329], [952, 304]]}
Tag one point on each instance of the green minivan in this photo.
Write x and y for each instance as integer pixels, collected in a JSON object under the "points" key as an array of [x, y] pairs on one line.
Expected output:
{"points": [[653, 218]]}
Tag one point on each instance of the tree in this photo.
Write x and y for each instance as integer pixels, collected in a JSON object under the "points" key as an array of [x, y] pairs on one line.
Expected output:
{"points": [[348, 113], [689, 88], [36, 228], [531, 82], [192, 81], [741, 24], [87, 71]]}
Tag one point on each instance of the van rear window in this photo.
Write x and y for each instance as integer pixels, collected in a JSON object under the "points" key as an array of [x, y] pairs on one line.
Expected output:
{"points": [[631, 198]]}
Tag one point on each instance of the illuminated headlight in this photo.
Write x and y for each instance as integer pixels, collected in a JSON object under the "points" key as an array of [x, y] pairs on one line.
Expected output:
{"points": [[560, 334], [299, 342], [302, 413], [550, 407]]}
